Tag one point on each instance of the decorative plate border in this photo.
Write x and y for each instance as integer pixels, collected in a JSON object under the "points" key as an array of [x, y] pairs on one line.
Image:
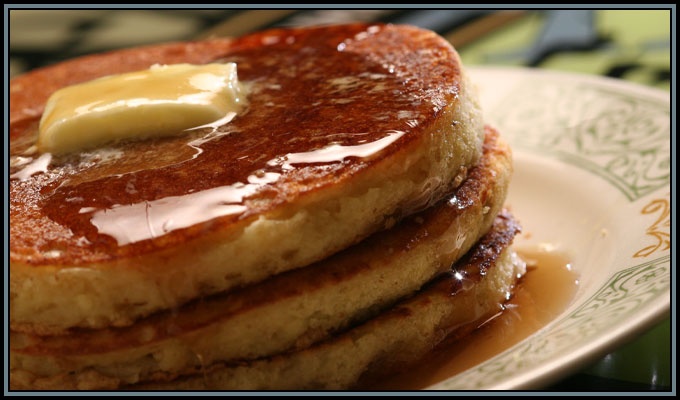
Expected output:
{"points": [[605, 311], [632, 153], [619, 132]]}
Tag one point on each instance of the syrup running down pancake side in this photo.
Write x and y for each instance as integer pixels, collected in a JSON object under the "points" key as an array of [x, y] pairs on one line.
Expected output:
{"points": [[455, 301], [541, 296]]}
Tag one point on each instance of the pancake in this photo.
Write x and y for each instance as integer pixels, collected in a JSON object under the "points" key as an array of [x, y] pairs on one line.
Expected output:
{"points": [[284, 313], [455, 303], [348, 129]]}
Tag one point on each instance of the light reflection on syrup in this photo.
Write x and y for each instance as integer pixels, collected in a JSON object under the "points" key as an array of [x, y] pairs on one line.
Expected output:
{"points": [[335, 153], [151, 219], [131, 223], [28, 166], [293, 108], [31, 167], [544, 292], [211, 135]]}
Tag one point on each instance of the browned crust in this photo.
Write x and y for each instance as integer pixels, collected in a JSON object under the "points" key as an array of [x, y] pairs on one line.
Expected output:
{"points": [[477, 200], [440, 309], [387, 109], [454, 302], [42, 210]]}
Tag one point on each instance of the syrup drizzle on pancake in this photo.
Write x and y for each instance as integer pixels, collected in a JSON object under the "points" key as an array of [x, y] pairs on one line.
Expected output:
{"points": [[340, 107]]}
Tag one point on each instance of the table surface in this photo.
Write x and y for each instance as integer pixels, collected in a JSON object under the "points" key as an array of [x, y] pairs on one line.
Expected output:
{"points": [[632, 45]]}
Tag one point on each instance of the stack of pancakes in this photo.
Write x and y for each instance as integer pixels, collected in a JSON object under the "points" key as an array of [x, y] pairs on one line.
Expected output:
{"points": [[349, 219]]}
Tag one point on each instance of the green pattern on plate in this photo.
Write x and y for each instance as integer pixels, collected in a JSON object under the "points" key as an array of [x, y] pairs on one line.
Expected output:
{"points": [[622, 138], [626, 292]]}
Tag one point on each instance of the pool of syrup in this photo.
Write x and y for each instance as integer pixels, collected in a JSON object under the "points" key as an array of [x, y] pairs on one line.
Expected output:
{"points": [[543, 293]]}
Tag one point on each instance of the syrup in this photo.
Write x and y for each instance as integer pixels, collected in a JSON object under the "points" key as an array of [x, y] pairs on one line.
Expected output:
{"points": [[316, 114], [542, 294]]}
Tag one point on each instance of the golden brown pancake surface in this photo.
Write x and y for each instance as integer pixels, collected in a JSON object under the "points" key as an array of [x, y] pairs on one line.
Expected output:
{"points": [[323, 106], [347, 130]]}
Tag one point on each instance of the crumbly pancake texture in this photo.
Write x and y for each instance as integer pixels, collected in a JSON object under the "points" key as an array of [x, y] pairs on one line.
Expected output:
{"points": [[287, 312], [347, 130]]}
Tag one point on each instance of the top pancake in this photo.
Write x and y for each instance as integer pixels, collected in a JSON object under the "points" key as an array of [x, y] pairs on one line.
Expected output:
{"points": [[347, 129]]}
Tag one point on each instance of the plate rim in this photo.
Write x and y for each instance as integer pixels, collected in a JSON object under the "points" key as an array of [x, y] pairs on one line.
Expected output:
{"points": [[545, 373]]}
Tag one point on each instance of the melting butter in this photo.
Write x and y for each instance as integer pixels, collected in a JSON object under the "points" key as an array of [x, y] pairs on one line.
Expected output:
{"points": [[159, 101]]}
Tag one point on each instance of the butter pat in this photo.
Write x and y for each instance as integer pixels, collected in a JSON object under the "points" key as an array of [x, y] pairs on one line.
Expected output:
{"points": [[162, 100]]}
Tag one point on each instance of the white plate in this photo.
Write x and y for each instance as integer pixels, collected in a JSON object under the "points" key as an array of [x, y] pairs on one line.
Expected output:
{"points": [[592, 176]]}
